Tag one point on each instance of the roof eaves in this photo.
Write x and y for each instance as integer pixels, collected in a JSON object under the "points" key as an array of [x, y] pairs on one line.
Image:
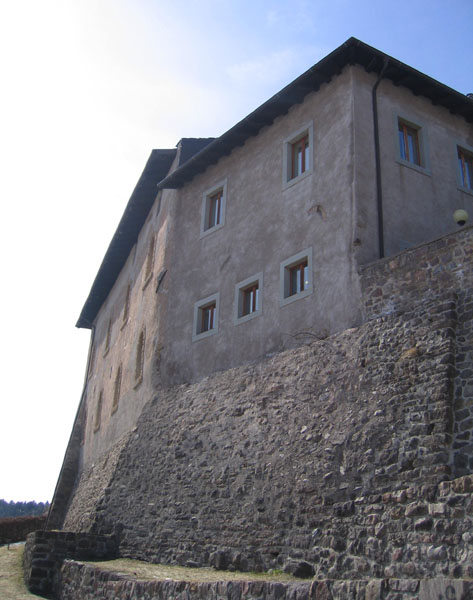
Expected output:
{"points": [[351, 52]]}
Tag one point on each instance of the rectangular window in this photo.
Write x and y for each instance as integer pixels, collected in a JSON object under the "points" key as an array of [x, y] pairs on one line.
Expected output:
{"points": [[248, 298], [465, 164], [409, 143], [205, 317], [213, 208], [296, 277], [299, 156]]}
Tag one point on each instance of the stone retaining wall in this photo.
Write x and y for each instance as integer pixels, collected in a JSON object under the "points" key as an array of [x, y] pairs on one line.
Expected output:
{"points": [[46, 550], [295, 458], [421, 275], [84, 582]]}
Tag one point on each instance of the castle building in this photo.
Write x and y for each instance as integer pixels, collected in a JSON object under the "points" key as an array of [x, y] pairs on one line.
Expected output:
{"points": [[234, 249]]}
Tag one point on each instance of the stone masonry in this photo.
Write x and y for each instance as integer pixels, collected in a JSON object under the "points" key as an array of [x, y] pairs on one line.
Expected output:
{"points": [[352, 453], [297, 457]]}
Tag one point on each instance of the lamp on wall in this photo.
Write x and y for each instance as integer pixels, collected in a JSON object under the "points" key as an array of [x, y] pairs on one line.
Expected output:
{"points": [[460, 217]]}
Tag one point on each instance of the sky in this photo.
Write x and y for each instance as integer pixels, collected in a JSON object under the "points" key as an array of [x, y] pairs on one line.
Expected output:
{"points": [[89, 88]]}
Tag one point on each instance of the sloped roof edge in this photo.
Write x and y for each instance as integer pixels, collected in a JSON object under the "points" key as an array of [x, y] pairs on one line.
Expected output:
{"points": [[353, 51], [136, 211]]}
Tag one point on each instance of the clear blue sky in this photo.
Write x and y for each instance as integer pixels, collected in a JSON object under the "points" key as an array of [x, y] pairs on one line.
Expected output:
{"points": [[89, 88]]}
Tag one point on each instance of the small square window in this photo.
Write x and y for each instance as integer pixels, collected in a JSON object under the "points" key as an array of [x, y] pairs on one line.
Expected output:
{"points": [[248, 298], [465, 166], [205, 317], [409, 143], [298, 155], [213, 208], [296, 277]]}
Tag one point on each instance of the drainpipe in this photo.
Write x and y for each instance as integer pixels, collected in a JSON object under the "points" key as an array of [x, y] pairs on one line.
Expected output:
{"points": [[81, 402], [379, 190]]}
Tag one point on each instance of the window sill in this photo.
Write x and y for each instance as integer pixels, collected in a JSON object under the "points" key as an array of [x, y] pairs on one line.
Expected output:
{"points": [[294, 180], [211, 230], [418, 168], [246, 318], [205, 334], [465, 190], [294, 297]]}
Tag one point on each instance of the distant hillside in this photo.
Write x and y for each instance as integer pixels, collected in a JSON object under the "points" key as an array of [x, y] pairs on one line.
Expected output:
{"points": [[22, 509]]}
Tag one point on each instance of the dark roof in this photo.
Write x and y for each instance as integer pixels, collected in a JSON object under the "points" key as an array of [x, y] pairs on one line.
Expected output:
{"points": [[130, 225], [198, 154], [352, 52], [190, 146]]}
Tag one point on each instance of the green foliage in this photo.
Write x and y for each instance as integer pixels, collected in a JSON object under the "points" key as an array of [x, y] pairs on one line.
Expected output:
{"points": [[22, 509]]}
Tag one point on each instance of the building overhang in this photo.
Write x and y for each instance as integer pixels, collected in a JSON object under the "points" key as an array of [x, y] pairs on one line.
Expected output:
{"points": [[352, 52]]}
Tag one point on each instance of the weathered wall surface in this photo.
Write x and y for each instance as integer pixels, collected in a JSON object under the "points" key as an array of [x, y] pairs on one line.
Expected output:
{"points": [[266, 222], [251, 466]]}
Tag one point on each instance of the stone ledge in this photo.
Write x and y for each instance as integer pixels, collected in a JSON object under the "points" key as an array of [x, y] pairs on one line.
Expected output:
{"points": [[79, 581]]}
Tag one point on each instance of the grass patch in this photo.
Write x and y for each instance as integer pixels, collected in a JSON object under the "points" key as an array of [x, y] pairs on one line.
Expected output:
{"points": [[12, 586], [136, 569]]}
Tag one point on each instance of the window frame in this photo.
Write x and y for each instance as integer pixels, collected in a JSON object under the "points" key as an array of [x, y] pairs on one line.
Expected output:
{"points": [[289, 144], [240, 289], [198, 333], [286, 268], [421, 143], [468, 151], [207, 197]]}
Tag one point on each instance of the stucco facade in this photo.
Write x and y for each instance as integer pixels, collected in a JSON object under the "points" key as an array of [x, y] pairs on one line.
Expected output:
{"points": [[148, 332]]}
